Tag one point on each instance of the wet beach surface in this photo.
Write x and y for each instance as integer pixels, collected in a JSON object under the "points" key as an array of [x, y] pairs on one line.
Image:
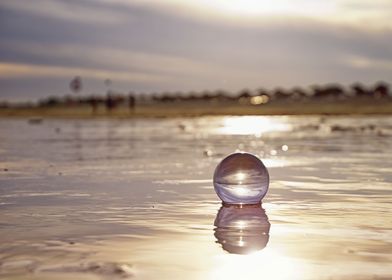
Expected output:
{"points": [[133, 199]]}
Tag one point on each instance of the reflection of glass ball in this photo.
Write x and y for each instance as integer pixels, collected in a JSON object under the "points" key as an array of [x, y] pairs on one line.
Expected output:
{"points": [[241, 178], [242, 230]]}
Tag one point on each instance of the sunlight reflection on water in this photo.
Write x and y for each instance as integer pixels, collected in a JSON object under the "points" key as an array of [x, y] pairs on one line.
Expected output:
{"points": [[139, 193], [269, 264], [253, 125]]}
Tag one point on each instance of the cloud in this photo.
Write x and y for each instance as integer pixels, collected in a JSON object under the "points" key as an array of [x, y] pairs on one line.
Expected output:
{"points": [[67, 10], [115, 59], [15, 71], [367, 63], [163, 71], [259, 12], [164, 45]]}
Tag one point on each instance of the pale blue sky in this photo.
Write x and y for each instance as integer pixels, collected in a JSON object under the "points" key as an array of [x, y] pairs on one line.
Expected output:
{"points": [[153, 45]]}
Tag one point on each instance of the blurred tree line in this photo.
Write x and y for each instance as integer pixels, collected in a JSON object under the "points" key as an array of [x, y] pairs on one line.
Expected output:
{"points": [[112, 99]]}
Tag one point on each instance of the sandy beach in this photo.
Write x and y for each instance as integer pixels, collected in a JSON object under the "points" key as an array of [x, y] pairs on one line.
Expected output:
{"points": [[133, 199], [365, 106]]}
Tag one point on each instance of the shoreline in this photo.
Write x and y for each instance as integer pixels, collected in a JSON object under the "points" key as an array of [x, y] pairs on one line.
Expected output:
{"points": [[197, 109]]}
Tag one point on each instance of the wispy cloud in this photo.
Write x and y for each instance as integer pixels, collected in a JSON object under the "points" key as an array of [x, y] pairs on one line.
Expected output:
{"points": [[153, 45], [68, 10], [376, 13], [117, 59], [368, 63], [124, 65], [17, 70]]}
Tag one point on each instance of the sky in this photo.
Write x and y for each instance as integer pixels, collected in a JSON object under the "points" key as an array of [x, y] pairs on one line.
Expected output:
{"points": [[184, 45]]}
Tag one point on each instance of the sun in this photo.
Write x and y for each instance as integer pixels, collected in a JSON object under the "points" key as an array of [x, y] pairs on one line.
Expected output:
{"points": [[257, 9], [245, 7]]}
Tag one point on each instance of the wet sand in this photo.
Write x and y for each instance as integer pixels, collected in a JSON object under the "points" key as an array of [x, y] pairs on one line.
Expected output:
{"points": [[133, 199]]}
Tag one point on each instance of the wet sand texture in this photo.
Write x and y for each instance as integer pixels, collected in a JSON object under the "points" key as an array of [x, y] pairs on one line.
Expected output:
{"points": [[133, 199]]}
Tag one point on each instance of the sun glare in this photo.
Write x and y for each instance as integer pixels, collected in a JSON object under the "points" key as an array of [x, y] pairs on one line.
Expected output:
{"points": [[266, 264], [251, 10], [252, 125], [245, 6], [240, 176]]}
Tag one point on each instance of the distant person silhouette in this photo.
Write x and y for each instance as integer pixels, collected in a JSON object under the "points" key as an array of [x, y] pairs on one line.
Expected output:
{"points": [[110, 102], [94, 104], [131, 103]]}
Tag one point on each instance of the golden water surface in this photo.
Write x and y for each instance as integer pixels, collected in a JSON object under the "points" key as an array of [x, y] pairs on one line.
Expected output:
{"points": [[133, 199]]}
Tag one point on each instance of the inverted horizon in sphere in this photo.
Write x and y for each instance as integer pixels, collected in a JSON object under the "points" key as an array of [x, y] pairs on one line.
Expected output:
{"points": [[241, 178]]}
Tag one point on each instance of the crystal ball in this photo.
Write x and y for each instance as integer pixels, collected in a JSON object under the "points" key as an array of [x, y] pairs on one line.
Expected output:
{"points": [[241, 178]]}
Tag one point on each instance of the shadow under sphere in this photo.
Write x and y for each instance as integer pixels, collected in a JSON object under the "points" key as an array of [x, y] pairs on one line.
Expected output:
{"points": [[242, 229]]}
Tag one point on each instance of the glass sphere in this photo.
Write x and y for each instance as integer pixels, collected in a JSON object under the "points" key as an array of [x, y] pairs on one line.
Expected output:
{"points": [[241, 178]]}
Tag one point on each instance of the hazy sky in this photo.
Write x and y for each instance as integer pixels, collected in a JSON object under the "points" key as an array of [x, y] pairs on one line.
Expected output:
{"points": [[179, 45]]}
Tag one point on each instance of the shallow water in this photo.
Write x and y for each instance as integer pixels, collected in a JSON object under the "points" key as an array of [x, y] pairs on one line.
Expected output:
{"points": [[119, 199]]}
